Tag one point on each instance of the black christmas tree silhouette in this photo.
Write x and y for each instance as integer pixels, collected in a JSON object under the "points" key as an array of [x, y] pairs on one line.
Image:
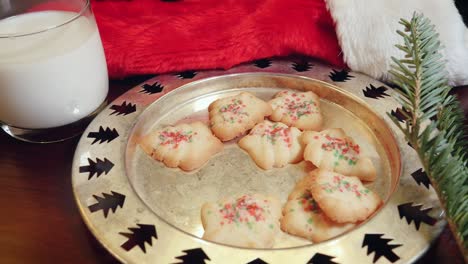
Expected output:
{"points": [[103, 135], [414, 213], [107, 202], [421, 178], [123, 109], [98, 167], [187, 74], [394, 86], [138, 236], [340, 76], [152, 89], [321, 259], [193, 256], [302, 66], [400, 114], [375, 92], [257, 261], [375, 243], [263, 63]]}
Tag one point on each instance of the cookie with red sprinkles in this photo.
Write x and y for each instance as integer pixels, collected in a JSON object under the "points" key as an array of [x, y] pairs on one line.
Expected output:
{"points": [[343, 199], [298, 109], [232, 116], [251, 221], [273, 144], [303, 217], [333, 150], [187, 146]]}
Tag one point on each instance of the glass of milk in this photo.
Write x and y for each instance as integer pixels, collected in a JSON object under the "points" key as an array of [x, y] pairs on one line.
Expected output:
{"points": [[53, 74]]}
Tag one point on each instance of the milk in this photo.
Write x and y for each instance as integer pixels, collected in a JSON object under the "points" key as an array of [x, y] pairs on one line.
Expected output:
{"points": [[52, 78]]}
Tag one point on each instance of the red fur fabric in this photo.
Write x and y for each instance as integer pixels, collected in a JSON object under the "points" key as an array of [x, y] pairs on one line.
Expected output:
{"points": [[152, 36]]}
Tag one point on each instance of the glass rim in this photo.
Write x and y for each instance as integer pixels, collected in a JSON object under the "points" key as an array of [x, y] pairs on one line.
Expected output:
{"points": [[73, 18]]}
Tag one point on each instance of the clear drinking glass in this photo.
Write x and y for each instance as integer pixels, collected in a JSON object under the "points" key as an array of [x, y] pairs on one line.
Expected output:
{"points": [[53, 74]]}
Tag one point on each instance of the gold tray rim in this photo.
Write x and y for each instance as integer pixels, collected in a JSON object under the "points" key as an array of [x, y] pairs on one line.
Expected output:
{"points": [[113, 245]]}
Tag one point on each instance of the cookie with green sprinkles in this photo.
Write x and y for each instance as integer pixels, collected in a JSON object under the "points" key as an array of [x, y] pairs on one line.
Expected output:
{"points": [[232, 116], [273, 145], [333, 150], [250, 221], [187, 146], [343, 199], [297, 109], [303, 217]]}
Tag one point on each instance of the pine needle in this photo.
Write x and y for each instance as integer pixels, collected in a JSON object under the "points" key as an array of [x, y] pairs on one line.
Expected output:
{"points": [[442, 145]]}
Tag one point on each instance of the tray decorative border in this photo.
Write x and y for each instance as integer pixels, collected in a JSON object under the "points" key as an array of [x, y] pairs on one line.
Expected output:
{"points": [[400, 233]]}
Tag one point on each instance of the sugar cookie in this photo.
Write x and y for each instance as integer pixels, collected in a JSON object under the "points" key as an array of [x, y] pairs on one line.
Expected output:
{"points": [[232, 116], [333, 150], [187, 146], [343, 199], [273, 144], [298, 109], [303, 217], [248, 221]]}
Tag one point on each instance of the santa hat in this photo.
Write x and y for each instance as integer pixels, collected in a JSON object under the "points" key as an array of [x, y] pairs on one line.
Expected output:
{"points": [[152, 36]]}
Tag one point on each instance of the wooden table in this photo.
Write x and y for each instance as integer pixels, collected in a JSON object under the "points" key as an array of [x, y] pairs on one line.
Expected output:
{"points": [[40, 222]]}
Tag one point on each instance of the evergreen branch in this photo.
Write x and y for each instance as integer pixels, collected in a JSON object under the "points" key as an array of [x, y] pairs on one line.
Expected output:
{"points": [[441, 144]]}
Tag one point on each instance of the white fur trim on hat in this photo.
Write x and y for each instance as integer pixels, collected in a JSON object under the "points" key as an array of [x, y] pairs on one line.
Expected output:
{"points": [[366, 30]]}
